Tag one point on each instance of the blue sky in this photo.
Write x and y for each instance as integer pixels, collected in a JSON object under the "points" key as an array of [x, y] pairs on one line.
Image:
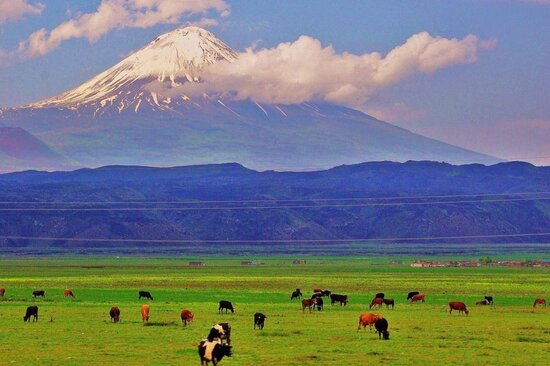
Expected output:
{"points": [[498, 104]]}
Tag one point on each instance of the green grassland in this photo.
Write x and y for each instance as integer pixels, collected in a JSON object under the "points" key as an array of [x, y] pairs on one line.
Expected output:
{"points": [[78, 331]]}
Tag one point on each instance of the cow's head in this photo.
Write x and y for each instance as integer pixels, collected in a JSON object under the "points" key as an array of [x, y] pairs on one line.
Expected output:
{"points": [[466, 311], [226, 350], [386, 335]]}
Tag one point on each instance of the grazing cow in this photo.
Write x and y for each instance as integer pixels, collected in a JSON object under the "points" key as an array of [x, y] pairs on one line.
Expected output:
{"points": [[145, 313], [418, 297], [68, 293], [489, 299], [326, 293], [259, 320], [186, 317], [297, 294], [221, 332], [2, 291], [213, 351], [381, 326], [308, 303], [36, 293], [411, 294], [376, 301], [31, 311], [145, 294], [483, 302], [389, 302], [319, 304], [317, 295], [457, 305], [541, 302], [379, 295], [367, 319], [227, 305], [115, 314], [342, 299]]}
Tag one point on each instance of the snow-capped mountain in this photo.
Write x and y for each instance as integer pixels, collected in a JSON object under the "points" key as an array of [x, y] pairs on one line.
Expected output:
{"points": [[133, 113]]}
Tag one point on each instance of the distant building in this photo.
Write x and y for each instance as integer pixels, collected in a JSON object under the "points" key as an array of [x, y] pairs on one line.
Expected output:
{"points": [[469, 263], [299, 261], [249, 263], [196, 264], [420, 263], [396, 262]]}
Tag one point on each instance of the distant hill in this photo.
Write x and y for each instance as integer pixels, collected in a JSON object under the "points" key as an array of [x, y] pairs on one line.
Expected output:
{"points": [[228, 185], [20, 150]]}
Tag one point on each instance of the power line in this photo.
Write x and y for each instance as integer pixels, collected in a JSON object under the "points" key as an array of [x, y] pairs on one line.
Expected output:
{"points": [[101, 240], [233, 208], [273, 200]]}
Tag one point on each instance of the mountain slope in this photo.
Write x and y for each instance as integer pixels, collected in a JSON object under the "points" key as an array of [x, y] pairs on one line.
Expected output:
{"points": [[135, 113]]}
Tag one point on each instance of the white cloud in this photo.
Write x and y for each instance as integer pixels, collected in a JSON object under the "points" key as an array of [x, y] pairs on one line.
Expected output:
{"points": [[13, 10], [113, 14], [304, 70]]}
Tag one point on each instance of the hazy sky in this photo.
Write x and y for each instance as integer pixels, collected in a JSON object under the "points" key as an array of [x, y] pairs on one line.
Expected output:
{"points": [[488, 90]]}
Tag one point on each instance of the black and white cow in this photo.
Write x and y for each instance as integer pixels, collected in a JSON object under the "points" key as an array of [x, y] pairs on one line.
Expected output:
{"points": [[319, 304], [220, 331], [489, 299], [259, 320], [297, 294], [411, 294], [213, 351]]}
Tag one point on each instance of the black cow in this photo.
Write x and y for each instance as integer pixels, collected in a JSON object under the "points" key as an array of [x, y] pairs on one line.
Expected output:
{"points": [[39, 293], [31, 311], [297, 294], [389, 302], [317, 295], [379, 295], [259, 320], [319, 304], [220, 331], [489, 299], [411, 294], [326, 293], [227, 305], [213, 352], [381, 326], [114, 313], [145, 294], [342, 299]]}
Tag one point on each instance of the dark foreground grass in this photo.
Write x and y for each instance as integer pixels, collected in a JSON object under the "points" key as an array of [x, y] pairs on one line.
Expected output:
{"points": [[78, 331]]}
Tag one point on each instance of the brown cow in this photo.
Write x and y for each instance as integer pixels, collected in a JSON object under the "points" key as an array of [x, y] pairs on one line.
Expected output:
{"points": [[376, 301], [457, 305], [68, 293], [145, 313], [418, 297], [2, 291], [308, 303], [186, 317], [368, 319], [541, 302], [115, 314]]}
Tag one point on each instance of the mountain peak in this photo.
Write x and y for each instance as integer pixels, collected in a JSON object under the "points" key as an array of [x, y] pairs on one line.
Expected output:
{"points": [[174, 58]]}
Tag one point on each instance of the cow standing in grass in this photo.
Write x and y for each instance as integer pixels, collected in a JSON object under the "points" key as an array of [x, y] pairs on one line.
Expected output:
{"points": [[389, 302], [459, 306], [220, 331], [68, 293], [489, 299], [411, 294], [377, 301], [37, 293], [342, 299], [114, 313], [213, 351], [259, 320], [381, 326], [540, 302], [145, 294], [186, 317], [296, 294], [2, 291], [308, 303], [367, 319], [32, 311], [145, 313], [418, 297], [226, 305]]}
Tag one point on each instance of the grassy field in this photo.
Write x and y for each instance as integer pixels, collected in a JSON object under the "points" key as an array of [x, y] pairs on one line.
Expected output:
{"points": [[78, 331]]}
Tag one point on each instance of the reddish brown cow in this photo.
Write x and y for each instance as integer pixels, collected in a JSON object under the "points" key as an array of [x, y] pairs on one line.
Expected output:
{"points": [[115, 314], [418, 297], [376, 301], [541, 302], [68, 293], [186, 317], [308, 303], [457, 305], [368, 319], [2, 291], [145, 313]]}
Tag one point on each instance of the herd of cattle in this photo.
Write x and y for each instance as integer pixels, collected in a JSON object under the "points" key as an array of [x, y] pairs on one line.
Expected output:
{"points": [[218, 342]]}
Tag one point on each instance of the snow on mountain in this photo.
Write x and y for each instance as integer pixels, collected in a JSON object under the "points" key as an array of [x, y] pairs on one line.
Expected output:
{"points": [[174, 58]]}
